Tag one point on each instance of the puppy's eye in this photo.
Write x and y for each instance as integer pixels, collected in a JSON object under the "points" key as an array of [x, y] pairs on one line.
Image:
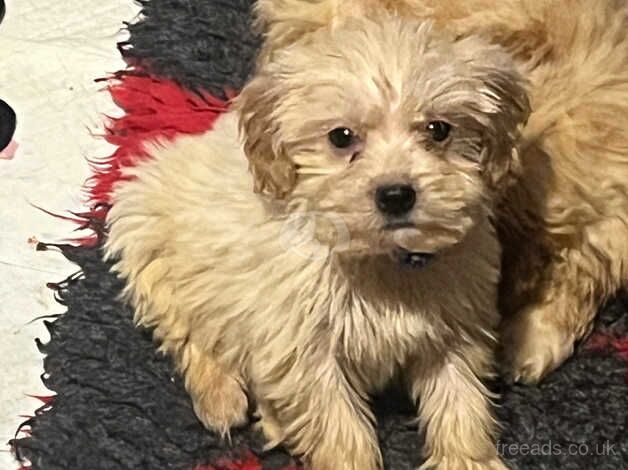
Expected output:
{"points": [[342, 137], [439, 130]]}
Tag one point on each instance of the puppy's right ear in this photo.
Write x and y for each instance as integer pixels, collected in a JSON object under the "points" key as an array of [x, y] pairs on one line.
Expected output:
{"points": [[274, 173]]}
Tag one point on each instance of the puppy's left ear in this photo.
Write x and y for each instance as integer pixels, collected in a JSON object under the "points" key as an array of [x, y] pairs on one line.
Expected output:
{"points": [[504, 103], [273, 171]]}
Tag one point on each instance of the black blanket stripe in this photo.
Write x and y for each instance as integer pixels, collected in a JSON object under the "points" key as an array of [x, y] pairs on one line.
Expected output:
{"points": [[203, 44]]}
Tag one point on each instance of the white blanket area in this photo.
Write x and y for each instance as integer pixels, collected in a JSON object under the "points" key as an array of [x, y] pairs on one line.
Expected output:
{"points": [[50, 53]]}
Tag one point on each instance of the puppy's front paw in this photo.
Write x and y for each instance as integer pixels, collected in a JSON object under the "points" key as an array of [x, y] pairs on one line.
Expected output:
{"points": [[221, 406], [533, 345], [461, 463]]}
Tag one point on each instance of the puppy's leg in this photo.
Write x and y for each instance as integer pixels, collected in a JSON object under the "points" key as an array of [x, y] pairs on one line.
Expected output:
{"points": [[541, 336], [218, 396], [317, 414], [454, 410], [537, 339]]}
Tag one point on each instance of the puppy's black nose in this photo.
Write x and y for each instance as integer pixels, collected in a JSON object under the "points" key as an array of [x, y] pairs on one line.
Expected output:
{"points": [[396, 199]]}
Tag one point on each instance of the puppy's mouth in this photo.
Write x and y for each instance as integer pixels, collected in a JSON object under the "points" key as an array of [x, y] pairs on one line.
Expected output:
{"points": [[392, 226], [410, 247]]}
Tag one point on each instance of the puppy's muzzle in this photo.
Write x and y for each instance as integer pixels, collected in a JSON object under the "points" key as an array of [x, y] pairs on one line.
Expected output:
{"points": [[395, 200]]}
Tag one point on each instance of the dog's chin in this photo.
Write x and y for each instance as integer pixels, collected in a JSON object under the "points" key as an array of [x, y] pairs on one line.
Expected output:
{"points": [[416, 246], [410, 247], [404, 244], [410, 259]]}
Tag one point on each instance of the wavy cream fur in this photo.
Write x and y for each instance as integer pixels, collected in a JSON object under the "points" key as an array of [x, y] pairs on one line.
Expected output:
{"points": [[309, 324], [564, 224]]}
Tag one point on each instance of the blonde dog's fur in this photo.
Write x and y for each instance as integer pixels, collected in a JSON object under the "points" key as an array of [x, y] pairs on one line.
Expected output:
{"points": [[564, 224], [294, 295], [291, 294]]}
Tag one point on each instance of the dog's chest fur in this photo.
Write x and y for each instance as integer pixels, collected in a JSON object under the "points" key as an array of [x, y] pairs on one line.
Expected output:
{"points": [[372, 315]]}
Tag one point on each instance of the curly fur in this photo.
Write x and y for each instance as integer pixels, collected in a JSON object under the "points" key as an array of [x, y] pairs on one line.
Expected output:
{"points": [[291, 294]]}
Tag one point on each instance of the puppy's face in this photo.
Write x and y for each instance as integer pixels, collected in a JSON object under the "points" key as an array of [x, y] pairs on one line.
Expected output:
{"points": [[392, 130]]}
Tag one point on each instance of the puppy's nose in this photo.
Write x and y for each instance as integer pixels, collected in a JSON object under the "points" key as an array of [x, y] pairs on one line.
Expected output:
{"points": [[396, 199]]}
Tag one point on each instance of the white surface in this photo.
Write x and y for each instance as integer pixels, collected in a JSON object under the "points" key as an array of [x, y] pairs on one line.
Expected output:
{"points": [[50, 53]]}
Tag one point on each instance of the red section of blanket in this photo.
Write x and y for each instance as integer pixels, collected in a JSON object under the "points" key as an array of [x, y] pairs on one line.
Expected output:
{"points": [[250, 462], [604, 342], [154, 109]]}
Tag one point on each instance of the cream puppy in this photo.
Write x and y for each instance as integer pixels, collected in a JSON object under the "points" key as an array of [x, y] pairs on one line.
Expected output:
{"points": [[341, 240]]}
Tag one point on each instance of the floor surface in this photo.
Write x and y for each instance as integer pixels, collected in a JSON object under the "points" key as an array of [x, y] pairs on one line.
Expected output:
{"points": [[50, 54]]}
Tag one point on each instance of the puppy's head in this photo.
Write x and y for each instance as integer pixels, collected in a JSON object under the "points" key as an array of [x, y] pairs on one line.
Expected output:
{"points": [[388, 126]]}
